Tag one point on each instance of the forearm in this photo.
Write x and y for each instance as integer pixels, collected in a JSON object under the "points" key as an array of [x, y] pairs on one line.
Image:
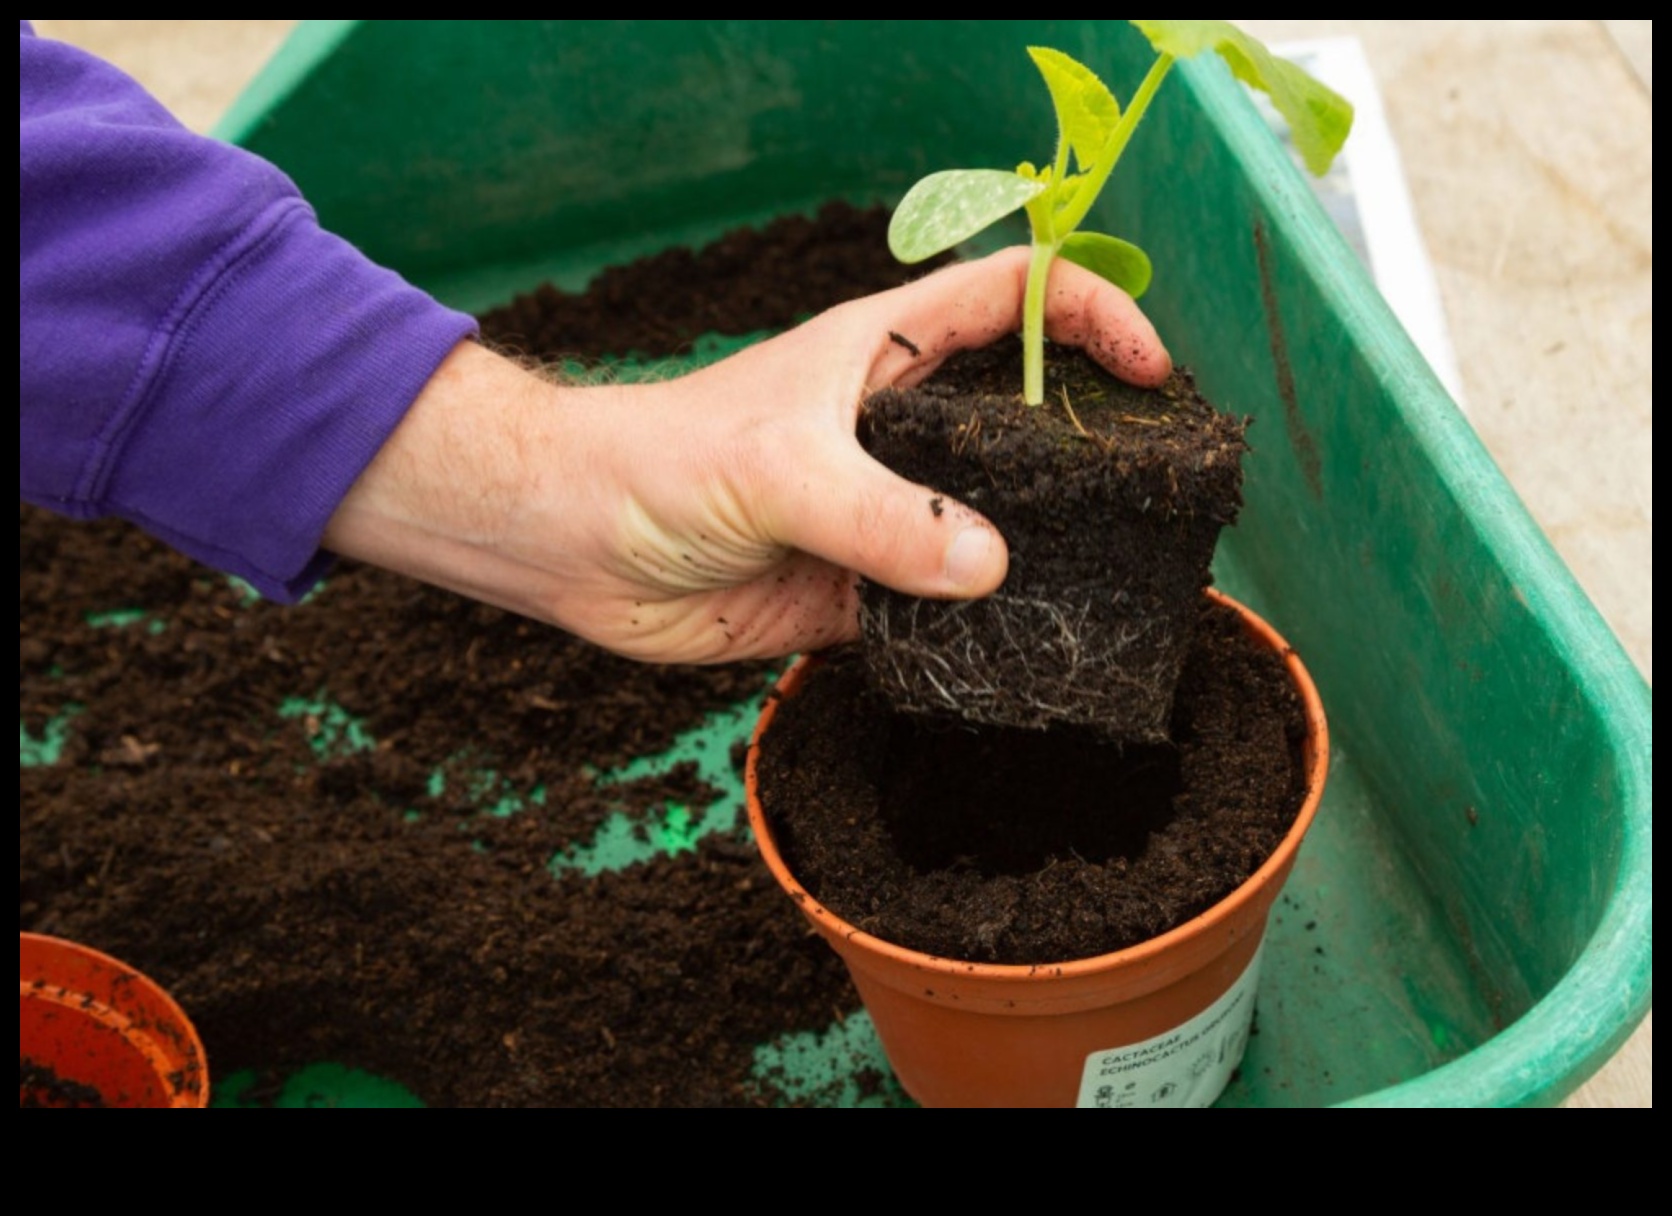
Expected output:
{"points": [[488, 457]]}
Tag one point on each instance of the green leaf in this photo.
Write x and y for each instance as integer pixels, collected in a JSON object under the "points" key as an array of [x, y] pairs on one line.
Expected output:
{"points": [[946, 208], [1121, 262], [1319, 117], [1086, 110]]}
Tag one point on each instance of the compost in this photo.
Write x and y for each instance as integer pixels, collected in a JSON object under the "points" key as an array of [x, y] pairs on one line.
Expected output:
{"points": [[328, 829], [40, 1086], [1008, 845]]}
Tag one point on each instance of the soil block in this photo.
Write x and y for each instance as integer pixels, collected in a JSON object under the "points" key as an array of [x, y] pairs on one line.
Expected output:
{"points": [[1111, 499]]}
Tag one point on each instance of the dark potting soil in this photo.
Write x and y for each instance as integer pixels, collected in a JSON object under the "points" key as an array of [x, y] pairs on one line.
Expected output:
{"points": [[1007, 845], [232, 808], [278, 812], [745, 281], [39, 1086], [1111, 498]]}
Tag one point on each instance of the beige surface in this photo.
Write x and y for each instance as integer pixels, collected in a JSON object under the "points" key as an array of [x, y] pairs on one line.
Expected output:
{"points": [[1528, 149]]}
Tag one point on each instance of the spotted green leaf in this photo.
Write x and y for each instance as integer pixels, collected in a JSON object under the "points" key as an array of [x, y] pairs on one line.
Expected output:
{"points": [[946, 208]]}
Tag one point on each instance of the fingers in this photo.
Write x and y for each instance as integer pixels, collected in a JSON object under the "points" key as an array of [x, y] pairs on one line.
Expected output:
{"points": [[974, 303], [959, 307], [1086, 310], [844, 507]]}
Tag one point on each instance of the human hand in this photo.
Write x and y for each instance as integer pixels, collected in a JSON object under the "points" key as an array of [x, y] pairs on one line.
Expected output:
{"points": [[722, 515]]}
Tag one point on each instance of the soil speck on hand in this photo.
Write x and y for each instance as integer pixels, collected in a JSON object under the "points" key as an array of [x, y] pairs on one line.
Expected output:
{"points": [[902, 340]]}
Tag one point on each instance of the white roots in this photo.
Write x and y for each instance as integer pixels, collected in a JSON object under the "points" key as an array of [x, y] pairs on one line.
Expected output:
{"points": [[1009, 661]]}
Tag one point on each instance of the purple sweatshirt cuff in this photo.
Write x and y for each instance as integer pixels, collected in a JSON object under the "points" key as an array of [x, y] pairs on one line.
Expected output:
{"points": [[196, 354], [267, 397]]}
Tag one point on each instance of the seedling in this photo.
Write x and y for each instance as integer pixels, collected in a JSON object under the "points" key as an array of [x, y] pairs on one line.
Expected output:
{"points": [[952, 206]]}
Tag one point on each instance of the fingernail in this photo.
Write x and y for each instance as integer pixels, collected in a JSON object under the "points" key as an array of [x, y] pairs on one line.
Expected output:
{"points": [[969, 558]]}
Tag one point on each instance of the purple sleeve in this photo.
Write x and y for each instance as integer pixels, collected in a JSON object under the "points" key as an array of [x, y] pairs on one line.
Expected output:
{"points": [[195, 354]]}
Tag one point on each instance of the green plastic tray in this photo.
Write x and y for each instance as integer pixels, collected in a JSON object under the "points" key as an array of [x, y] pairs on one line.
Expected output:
{"points": [[1470, 921]]}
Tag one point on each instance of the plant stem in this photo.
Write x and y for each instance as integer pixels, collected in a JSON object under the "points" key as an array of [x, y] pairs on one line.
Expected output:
{"points": [[1086, 195], [1049, 226], [1033, 321]]}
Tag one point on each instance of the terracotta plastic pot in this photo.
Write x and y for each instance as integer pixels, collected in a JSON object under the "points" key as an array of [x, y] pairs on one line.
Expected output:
{"points": [[1163, 1023], [95, 1032]]}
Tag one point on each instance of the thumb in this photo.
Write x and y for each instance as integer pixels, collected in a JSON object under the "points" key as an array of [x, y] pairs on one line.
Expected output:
{"points": [[848, 509]]}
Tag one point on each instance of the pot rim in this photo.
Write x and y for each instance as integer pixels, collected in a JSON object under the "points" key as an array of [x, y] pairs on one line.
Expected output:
{"points": [[123, 1001], [1315, 757]]}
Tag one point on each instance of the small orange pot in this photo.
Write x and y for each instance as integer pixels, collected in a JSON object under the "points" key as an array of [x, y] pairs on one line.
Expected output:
{"points": [[95, 1032], [1163, 1023]]}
